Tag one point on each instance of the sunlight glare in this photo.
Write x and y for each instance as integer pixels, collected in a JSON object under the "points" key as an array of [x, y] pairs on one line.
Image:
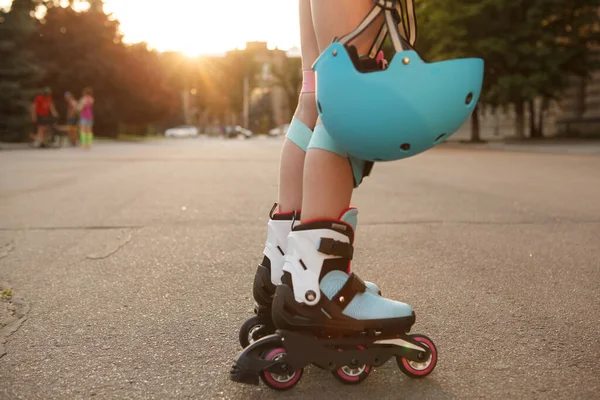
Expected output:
{"points": [[199, 27], [207, 27]]}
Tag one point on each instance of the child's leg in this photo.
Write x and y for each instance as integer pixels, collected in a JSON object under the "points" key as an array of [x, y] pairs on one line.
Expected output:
{"points": [[90, 135], [328, 175], [75, 135], [85, 135], [39, 132], [320, 250], [282, 215], [295, 144], [82, 139], [305, 116]]}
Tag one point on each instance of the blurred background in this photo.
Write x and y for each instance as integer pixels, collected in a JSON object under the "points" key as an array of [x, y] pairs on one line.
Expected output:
{"points": [[219, 68]]}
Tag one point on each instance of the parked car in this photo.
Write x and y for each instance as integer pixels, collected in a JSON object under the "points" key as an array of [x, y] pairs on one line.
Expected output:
{"points": [[182, 131], [232, 132], [280, 130]]}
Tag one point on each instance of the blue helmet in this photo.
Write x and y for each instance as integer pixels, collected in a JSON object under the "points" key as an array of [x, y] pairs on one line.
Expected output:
{"points": [[405, 109]]}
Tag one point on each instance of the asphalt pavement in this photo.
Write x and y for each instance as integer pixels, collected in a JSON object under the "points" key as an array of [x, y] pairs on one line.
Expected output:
{"points": [[131, 265]]}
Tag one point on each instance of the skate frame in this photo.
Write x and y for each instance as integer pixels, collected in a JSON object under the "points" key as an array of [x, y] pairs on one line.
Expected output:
{"points": [[302, 350]]}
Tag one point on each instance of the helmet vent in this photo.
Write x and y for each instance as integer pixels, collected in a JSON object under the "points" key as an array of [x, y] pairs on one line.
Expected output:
{"points": [[440, 137], [405, 146], [469, 98]]}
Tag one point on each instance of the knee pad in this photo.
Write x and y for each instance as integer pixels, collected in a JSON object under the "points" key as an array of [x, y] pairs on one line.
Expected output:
{"points": [[299, 134], [322, 140]]}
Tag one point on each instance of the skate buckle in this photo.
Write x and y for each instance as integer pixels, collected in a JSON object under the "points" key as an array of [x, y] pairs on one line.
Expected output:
{"points": [[334, 247]]}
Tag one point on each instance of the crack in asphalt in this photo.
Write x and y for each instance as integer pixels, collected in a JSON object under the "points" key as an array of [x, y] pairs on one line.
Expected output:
{"points": [[7, 249], [238, 223], [21, 309], [124, 238]]}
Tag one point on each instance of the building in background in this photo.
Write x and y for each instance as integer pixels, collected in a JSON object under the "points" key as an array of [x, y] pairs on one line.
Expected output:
{"points": [[267, 103]]}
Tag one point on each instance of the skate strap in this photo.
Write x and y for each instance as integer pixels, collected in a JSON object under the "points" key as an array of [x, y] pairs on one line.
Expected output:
{"points": [[352, 286], [274, 214], [334, 247]]}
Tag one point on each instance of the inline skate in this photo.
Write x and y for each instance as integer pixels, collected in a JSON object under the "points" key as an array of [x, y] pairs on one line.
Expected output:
{"points": [[270, 270], [326, 316]]}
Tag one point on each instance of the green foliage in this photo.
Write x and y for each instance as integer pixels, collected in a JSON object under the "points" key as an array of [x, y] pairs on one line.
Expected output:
{"points": [[133, 86], [237, 66], [289, 77], [530, 47], [85, 49], [18, 71]]}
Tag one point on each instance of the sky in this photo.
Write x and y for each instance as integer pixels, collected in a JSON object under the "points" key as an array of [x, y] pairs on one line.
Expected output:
{"points": [[201, 27]]}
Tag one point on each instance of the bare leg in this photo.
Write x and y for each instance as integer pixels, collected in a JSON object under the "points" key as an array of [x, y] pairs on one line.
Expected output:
{"points": [[292, 157], [328, 180], [84, 137], [45, 134], [39, 135]]}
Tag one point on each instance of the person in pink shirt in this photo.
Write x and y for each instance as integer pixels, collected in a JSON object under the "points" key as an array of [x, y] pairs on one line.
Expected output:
{"points": [[86, 117]]}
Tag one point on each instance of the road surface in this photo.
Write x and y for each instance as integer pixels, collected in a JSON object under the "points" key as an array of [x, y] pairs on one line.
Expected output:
{"points": [[131, 269]]}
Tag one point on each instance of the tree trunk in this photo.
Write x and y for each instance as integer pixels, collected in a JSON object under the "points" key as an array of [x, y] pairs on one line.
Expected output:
{"points": [[475, 132], [520, 119], [544, 107], [533, 128], [580, 97]]}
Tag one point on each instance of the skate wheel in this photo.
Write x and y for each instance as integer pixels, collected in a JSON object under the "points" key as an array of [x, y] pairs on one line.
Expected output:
{"points": [[352, 374], [423, 368], [277, 381], [251, 331]]}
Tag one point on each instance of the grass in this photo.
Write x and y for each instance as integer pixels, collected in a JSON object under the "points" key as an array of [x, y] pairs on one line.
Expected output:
{"points": [[6, 294]]}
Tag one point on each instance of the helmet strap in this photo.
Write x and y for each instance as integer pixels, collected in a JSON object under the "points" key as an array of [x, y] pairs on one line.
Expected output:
{"points": [[400, 25]]}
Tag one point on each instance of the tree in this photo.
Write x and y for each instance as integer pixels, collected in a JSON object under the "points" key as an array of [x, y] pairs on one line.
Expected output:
{"points": [[18, 71], [288, 76], [145, 91], [237, 66], [82, 49], [530, 47]]}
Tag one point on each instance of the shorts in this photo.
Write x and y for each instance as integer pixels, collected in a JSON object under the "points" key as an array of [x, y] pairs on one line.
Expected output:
{"points": [[44, 120], [86, 122], [72, 121]]}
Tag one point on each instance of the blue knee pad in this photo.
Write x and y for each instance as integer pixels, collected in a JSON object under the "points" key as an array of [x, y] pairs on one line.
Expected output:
{"points": [[321, 140], [299, 134]]}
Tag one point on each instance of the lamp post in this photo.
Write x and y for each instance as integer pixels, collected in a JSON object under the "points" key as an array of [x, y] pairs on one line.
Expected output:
{"points": [[246, 102]]}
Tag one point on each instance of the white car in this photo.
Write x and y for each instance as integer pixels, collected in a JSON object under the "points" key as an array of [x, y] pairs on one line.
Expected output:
{"points": [[182, 131], [280, 130], [232, 132]]}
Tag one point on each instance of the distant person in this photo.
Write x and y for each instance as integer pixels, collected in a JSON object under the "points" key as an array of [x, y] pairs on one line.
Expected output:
{"points": [[43, 114], [86, 117], [72, 118]]}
